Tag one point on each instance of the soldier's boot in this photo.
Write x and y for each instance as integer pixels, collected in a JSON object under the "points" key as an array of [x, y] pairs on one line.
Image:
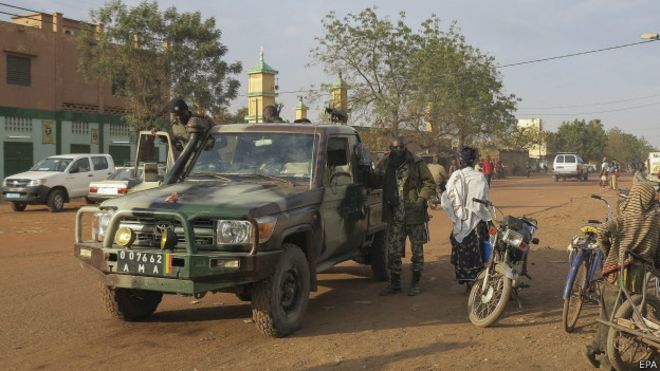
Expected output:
{"points": [[394, 286], [414, 287]]}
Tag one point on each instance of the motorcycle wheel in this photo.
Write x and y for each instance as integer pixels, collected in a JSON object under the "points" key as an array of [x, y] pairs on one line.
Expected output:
{"points": [[625, 351], [486, 306], [573, 305]]}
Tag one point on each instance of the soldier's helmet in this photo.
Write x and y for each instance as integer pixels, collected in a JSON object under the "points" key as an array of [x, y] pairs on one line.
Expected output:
{"points": [[177, 105]]}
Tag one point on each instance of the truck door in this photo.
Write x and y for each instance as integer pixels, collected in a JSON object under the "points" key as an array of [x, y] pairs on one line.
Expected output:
{"points": [[341, 209], [79, 177]]}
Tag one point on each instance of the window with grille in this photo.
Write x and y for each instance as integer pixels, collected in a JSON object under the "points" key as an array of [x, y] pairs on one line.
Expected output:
{"points": [[19, 70]]}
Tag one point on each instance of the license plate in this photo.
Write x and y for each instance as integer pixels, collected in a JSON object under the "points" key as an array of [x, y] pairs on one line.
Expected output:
{"points": [[129, 261], [12, 195], [107, 191]]}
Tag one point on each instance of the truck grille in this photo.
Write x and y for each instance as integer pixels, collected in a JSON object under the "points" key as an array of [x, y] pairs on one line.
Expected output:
{"points": [[148, 232], [17, 182]]}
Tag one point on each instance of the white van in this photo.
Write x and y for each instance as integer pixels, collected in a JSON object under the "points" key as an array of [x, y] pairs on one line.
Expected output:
{"points": [[56, 180], [569, 165]]}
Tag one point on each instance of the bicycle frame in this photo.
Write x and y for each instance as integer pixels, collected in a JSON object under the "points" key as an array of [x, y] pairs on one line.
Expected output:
{"points": [[638, 318], [594, 258]]}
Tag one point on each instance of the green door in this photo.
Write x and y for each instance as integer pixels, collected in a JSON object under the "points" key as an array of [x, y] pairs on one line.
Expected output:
{"points": [[120, 154], [18, 157], [80, 148]]}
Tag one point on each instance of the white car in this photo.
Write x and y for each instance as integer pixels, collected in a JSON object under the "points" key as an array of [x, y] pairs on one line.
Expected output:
{"points": [[56, 180], [123, 181]]}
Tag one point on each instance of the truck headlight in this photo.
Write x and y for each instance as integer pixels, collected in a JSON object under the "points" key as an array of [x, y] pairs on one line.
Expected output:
{"points": [[231, 232], [36, 182], [100, 222]]}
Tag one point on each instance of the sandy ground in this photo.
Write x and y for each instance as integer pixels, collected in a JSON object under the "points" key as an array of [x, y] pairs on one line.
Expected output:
{"points": [[51, 315]]}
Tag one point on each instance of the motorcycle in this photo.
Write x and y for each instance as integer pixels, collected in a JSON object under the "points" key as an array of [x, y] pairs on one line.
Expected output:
{"points": [[506, 252]]}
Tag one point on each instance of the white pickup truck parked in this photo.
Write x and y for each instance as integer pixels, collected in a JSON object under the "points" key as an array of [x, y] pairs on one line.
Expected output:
{"points": [[55, 180]]}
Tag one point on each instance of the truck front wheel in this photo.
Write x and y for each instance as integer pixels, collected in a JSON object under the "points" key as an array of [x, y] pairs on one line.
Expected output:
{"points": [[279, 302], [130, 304], [378, 256]]}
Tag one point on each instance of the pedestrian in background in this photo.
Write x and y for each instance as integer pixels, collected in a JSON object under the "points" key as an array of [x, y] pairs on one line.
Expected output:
{"points": [[614, 174], [488, 169], [469, 218], [453, 166], [407, 185], [604, 171]]}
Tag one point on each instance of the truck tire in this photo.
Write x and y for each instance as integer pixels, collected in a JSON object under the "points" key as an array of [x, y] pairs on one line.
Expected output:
{"points": [[130, 304], [378, 257], [56, 200], [18, 206], [279, 301]]}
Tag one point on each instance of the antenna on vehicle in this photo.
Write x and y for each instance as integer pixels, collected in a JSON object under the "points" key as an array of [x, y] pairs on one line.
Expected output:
{"points": [[312, 163]]}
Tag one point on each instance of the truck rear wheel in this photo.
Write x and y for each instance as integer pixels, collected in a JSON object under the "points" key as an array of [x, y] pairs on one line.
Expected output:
{"points": [[378, 256], [18, 206], [279, 301], [130, 304]]}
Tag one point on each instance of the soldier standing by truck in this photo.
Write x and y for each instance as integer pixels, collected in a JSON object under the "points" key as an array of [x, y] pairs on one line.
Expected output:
{"points": [[177, 130], [407, 185]]}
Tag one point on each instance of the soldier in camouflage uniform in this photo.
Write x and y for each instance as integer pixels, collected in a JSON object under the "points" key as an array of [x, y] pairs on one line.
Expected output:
{"points": [[177, 130], [407, 185]]}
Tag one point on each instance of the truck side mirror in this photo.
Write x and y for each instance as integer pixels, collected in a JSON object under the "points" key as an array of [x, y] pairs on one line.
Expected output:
{"points": [[151, 172]]}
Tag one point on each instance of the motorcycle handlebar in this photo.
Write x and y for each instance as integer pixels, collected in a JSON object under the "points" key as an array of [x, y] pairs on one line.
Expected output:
{"points": [[596, 197]]}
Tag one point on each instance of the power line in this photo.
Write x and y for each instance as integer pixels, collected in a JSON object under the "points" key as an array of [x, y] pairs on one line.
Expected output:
{"points": [[19, 7], [591, 104], [594, 112], [575, 54]]}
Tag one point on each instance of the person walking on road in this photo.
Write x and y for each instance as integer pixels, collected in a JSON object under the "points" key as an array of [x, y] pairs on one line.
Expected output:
{"points": [[469, 218], [635, 229], [488, 169], [407, 185], [614, 174]]}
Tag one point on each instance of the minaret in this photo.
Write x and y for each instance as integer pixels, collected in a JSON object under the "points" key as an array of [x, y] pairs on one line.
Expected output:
{"points": [[261, 89], [339, 93], [301, 109]]}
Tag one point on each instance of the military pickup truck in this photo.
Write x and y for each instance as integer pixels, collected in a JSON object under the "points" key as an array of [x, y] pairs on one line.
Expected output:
{"points": [[254, 209]]}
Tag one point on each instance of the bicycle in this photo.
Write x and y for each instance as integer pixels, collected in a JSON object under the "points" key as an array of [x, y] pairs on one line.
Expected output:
{"points": [[633, 339], [582, 280]]}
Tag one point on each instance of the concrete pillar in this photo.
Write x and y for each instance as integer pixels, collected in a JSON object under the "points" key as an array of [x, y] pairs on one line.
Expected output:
{"points": [[57, 22]]}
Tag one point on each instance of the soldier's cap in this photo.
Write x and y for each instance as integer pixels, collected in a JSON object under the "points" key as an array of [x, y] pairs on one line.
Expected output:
{"points": [[177, 105]]}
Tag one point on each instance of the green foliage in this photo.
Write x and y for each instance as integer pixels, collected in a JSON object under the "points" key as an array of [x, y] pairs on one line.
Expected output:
{"points": [[373, 56], [626, 147], [458, 88], [225, 117], [402, 79], [522, 138], [587, 139], [152, 54]]}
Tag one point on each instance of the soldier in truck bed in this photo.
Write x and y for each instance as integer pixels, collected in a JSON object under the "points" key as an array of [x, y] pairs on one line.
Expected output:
{"points": [[182, 116], [407, 185]]}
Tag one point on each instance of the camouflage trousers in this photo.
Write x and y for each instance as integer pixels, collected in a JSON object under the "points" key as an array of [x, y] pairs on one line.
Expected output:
{"points": [[396, 244]]}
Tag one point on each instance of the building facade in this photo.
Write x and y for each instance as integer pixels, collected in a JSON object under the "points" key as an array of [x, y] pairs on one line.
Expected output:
{"points": [[538, 151], [46, 106]]}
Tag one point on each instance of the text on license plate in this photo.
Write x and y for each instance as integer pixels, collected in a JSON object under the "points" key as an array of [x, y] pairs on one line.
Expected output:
{"points": [[12, 195], [107, 191], [129, 261]]}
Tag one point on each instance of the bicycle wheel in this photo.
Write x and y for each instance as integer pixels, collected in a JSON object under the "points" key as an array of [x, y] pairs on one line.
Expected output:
{"points": [[573, 305], [624, 350]]}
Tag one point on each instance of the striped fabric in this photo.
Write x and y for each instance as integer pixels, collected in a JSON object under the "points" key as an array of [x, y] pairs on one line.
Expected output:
{"points": [[636, 229]]}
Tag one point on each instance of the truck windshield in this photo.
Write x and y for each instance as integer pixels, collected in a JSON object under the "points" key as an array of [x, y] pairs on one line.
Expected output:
{"points": [[244, 154], [52, 164]]}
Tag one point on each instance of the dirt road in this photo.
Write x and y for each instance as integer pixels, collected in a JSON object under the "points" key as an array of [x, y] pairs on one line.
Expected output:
{"points": [[51, 315]]}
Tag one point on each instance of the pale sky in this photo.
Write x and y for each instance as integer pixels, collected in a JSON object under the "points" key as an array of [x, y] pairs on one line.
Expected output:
{"points": [[624, 82]]}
